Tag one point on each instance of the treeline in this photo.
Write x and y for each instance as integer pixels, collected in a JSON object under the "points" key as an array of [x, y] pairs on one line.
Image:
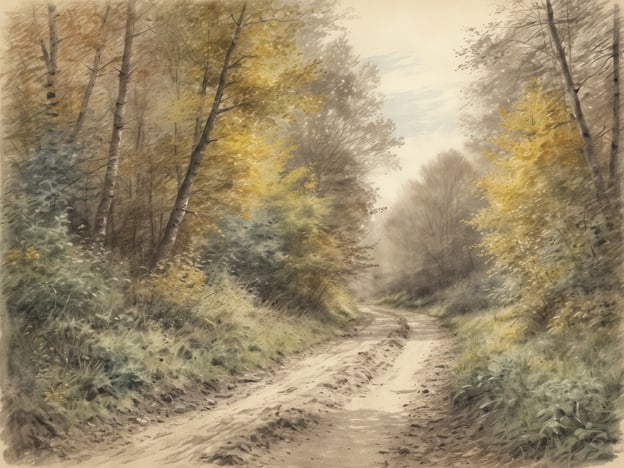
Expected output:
{"points": [[531, 243], [178, 172], [427, 243]]}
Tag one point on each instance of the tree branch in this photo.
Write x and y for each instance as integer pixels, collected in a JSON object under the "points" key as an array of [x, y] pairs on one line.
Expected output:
{"points": [[588, 143], [184, 192], [223, 110], [46, 57], [614, 160]]}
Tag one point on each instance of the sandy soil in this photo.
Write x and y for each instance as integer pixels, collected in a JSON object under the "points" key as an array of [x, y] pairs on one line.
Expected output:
{"points": [[365, 430], [378, 397]]}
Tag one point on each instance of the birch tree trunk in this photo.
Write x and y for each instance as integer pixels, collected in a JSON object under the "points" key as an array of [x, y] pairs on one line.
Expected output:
{"points": [[50, 58], [202, 96], [95, 69], [588, 143], [108, 187], [176, 217], [614, 160]]}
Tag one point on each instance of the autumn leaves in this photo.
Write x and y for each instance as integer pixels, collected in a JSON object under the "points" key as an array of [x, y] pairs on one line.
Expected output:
{"points": [[176, 118]]}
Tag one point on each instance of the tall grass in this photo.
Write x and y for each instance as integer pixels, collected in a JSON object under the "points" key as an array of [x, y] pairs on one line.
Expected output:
{"points": [[539, 393], [89, 341]]}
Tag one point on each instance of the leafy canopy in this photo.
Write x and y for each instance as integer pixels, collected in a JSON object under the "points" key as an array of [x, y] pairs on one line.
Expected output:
{"points": [[536, 228]]}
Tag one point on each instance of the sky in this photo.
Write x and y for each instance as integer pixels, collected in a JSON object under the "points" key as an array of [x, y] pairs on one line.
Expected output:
{"points": [[413, 42]]}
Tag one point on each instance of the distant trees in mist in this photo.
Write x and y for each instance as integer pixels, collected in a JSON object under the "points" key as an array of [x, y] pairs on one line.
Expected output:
{"points": [[427, 242]]}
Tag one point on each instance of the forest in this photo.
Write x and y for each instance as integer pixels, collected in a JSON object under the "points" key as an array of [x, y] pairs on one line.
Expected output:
{"points": [[516, 241], [188, 198]]}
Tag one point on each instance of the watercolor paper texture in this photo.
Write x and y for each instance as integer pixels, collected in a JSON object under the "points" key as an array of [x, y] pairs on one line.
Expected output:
{"points": [[311, 233]]}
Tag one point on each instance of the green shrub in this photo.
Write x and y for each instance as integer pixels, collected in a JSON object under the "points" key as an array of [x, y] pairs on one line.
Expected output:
{"points": [[474, 293], [81, 346], [539, 394], [286, 253], [536, 414]]}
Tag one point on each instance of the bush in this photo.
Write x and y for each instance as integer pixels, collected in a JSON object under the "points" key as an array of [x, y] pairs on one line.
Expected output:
{"points": [[60, 300], [286, 253], [536, 414], [86, 340], [537, 394], [475, 293]]}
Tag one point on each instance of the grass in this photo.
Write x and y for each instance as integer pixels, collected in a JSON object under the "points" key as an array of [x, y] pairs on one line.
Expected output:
{"points": [[467, 295], [535, 388], [539, 393], [172, 332]]}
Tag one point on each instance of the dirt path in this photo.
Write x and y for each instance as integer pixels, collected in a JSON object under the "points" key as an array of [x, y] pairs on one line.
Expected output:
{"points": [[356, 402], [367, 429]]}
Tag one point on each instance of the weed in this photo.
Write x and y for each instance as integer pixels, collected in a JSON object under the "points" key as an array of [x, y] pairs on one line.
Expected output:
{"points": [[539, 394]]}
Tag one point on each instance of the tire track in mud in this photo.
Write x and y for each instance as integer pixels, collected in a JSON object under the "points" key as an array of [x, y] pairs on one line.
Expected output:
{"points": [[246, 426], [369, 429]]}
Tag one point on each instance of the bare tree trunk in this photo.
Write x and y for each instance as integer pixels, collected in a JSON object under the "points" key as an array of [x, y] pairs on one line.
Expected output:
{"points": [[136, 213], [588, 144], [202, 98], [95, 69], [50, 58], [614, 160], [184, 193], [152, 212], [108, 188], [5, 324]]}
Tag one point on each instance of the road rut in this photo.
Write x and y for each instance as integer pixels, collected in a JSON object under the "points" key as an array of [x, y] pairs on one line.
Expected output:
{"points": [[344, 404]]}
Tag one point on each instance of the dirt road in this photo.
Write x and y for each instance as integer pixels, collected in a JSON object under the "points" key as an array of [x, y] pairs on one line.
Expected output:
{"points": [[374, 398], [365, 431]]}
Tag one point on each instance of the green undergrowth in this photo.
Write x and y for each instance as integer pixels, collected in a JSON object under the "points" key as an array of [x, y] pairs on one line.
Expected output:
{"points": [[467, 295], [536, 392], [536, 388], [87, 342]]}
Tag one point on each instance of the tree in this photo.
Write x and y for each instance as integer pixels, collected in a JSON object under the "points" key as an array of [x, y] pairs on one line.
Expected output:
{"points": [[428, 241], [51, 65], [583, 128], [285, 253], [519, 45], [95, 70], [344, 143], [537, 228], [50, 55], [184, 192], [114, 151], [257, 96], [574, 48], [257, 87], [302, 242], [614, 160]]}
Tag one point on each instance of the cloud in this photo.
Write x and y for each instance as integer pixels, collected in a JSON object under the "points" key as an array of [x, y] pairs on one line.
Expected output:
{"points": [[421, 112], [413, 42], [416, 152], [395, 61], [419, 98]]}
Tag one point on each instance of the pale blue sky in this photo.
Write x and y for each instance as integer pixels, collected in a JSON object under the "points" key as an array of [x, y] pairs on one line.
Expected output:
{"points": [[417, 111], [413, 42]]}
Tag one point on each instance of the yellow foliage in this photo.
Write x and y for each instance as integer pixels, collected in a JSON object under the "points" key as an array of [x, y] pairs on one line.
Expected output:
{"points": [[490, 333], [537, 191], [181, 284], [594, 312], [54, 395], [30, 254]]}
